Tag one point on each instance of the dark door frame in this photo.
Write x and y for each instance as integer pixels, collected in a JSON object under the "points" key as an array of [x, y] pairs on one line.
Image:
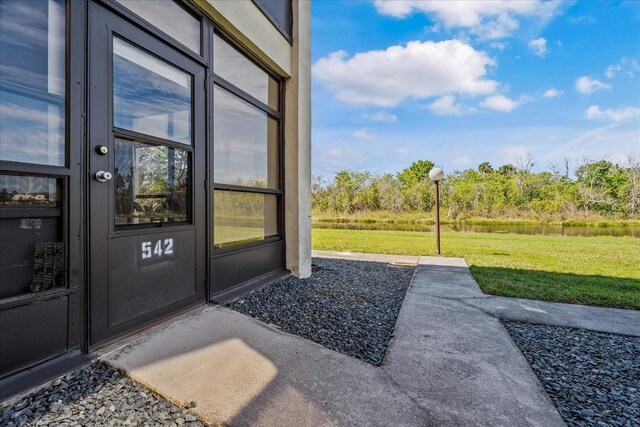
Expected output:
{"points": [[72, 176], [103, 23]]}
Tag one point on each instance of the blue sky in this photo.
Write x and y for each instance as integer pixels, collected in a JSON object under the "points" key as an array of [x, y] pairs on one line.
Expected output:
{"points": [[460, 82]]}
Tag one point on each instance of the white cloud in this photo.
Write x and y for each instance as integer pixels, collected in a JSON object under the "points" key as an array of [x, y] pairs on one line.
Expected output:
{"points": [[499, 45], [587, 86], [418, 70], [618, 115], [538, 46], [363, 134], [629, 66], [381, 116], [446, 106], [487, 19], [500, 103], [612, 70], [583, 19], [552, 92]]}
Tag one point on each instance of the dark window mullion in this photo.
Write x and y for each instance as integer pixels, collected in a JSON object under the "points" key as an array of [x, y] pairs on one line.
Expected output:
{"points": [[157, 32], [234, 90], [230, 187], [19, 168], [149, 139]]}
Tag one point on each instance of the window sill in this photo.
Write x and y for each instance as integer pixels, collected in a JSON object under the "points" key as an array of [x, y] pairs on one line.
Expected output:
{"points": [[26, 299]]}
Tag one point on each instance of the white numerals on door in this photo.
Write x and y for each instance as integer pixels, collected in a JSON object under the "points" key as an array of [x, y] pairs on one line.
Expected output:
{"points": [[159, 249], [168, 246], [146, 250]]}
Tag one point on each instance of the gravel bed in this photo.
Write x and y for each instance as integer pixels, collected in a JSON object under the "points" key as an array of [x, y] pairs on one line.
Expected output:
{"points": [[592, 377], [96, 396], [347, 306]]}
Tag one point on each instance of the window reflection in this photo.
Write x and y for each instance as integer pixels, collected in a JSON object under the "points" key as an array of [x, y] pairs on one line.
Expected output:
{"points": [[151, 183], [28, 191], [170, 17], [33, 256], [236, 68], [150, 96], [241, 217], [245, 143], [32, 81]]}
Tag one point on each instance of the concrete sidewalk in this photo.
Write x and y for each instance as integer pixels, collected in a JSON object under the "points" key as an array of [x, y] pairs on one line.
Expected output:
{"points": [[600, 319], [410, 260], [458, 360], [449, 364]]}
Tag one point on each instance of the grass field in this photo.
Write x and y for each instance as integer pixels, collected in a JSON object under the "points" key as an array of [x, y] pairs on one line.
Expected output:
{"points": [[603, 271]]}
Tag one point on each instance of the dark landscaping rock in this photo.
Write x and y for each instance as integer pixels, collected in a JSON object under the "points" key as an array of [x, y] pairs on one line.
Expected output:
{"points": [[592, 377], [94, 396], [347, 306]]}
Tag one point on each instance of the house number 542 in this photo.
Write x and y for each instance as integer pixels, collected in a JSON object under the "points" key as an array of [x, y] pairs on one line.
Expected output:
{"points": [[162, 247]]}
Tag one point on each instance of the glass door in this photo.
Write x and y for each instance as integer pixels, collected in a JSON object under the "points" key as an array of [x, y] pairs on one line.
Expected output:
{"points": [[146, 171]]}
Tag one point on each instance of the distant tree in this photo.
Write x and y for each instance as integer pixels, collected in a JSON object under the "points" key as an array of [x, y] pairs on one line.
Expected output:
{"points": [[485, 168], [601, 184], [633, 188], [507, 170], [512, 191], [6, 196], [390, 195], [418, 171]]}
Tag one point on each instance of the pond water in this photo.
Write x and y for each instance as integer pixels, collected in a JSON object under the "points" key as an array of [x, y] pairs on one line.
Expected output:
{"points": [[559, 230]]}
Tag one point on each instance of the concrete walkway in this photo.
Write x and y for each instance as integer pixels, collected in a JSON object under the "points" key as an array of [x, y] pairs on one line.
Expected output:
{"points": [[450, 363], [600, 319]]}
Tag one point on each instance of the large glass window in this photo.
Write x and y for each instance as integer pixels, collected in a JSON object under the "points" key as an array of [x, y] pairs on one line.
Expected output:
{"points": [[245, 143], [241, 217], [246, 151], [236, 68], [149, 95], [32, 81], [31, 244], [170, 17], [151, 183]]}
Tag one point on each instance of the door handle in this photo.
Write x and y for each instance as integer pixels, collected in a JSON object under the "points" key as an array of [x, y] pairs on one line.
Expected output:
{"points": [[103, 176]]}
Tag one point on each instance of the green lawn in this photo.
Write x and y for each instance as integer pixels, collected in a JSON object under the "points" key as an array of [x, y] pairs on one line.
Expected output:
{"points": [[603, 271]]}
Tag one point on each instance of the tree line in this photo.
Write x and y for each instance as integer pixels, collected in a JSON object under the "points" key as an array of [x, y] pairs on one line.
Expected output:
{"points": [[597, 188]]}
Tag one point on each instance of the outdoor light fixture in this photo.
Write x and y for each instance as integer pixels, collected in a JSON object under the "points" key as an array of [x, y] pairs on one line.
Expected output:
{"points": [[436, 175]]}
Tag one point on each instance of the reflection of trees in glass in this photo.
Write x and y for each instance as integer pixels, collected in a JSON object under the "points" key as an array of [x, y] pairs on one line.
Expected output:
{"points": [[28, 191], [125, 206], [239, 209], [6, 195], [152, 182]]}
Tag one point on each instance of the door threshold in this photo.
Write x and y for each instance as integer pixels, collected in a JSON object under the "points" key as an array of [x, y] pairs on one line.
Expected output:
{"points": [[151, 323]]}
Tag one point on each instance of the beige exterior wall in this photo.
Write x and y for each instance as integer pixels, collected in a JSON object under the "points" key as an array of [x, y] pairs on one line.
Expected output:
{"points": [[244, 21], [297, 154]]}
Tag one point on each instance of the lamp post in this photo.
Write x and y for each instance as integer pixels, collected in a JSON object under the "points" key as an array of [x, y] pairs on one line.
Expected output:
{"points": [[436, 175]]}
